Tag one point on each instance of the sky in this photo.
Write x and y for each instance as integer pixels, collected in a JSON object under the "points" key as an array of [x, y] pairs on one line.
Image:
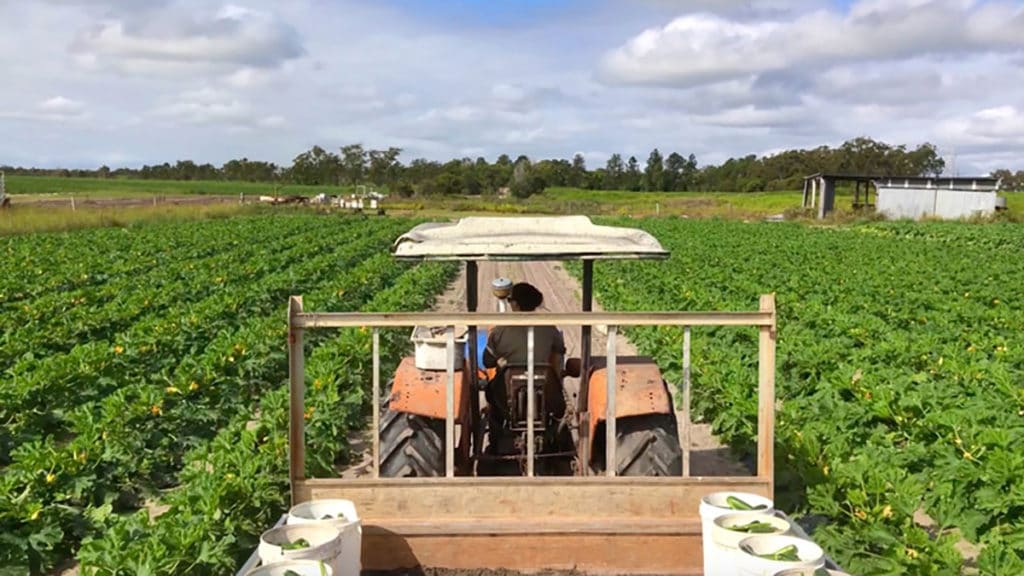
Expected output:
{"points": [[85, 83]]}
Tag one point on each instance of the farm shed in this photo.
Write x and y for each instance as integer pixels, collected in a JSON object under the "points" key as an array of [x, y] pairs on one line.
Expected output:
{"points": [[907, 196]]}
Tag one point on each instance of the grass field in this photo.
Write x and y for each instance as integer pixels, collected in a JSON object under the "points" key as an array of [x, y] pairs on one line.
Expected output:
{"points": [[31, 219], [128, 188], [60, 217]]}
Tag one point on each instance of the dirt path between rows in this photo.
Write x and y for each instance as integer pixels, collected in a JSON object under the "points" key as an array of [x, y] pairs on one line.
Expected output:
{"points": [[86, 201], [562, 293]]}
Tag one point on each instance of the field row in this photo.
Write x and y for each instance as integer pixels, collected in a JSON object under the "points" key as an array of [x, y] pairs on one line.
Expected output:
{"points": [[900, 358], [127, 371]]}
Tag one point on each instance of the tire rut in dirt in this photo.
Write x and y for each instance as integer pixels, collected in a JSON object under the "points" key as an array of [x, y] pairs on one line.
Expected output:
{"points": [[647, 445], [411, 445]]}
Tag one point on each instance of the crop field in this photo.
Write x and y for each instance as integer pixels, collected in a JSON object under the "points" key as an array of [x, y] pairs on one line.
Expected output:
{"points": [[144, 374], [143, 405], [900, 371]]}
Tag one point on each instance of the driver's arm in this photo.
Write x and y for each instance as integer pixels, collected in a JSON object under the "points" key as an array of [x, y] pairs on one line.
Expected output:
{"points": [[490, 356]]}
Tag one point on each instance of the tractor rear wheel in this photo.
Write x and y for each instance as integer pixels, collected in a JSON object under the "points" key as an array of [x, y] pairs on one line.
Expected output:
{"points": [[410, 445], [648, 445]]}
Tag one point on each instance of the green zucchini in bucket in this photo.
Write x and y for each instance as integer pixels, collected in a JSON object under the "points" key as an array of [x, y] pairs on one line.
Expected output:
{"points": [[737, 504]]}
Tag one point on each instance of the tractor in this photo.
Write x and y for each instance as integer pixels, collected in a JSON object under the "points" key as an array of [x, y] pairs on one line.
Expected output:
{"points": [[480, 467], [495, 430]]}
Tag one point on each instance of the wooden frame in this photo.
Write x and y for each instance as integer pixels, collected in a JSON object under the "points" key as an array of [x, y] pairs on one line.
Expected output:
{"points": [[597, 524]]}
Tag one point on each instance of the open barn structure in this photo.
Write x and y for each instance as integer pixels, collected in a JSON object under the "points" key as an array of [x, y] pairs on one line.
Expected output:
{"points": [[911, 197]]}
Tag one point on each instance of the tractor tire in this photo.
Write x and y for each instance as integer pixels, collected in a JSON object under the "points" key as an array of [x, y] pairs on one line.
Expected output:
{"points": [[411, 445], [647, 445]]}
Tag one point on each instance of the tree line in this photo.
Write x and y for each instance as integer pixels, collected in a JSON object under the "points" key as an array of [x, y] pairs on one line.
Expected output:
{"points": [[673, 172]]}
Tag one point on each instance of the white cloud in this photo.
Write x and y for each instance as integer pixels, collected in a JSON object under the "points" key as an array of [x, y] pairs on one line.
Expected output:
{"points": [[234, 39], [752, 117], [61, 107], [55, 109], [998, 126], [210, 106], [249, 78], [170, 79], [740, 8], [704, 48]]}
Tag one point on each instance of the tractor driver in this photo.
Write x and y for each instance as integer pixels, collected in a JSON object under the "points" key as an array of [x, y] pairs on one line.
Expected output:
{"points": [[507, 345]]}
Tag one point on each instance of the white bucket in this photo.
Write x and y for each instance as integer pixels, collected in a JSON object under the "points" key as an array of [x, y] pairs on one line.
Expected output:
{"points": [[716, 504], [345, 519], [725, 542], [810, 555], [300, 567], [324, 544]]}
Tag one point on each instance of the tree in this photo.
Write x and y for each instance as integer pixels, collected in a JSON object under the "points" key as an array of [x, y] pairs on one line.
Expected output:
{"points": [[525, 181], [925, 161], [578, 175], [1010, 182], [383, 164], [652, 174], [672, 177], [690, 174], [632, 179], [404, 189], [316, 167], [614, 171], [353, 163]]}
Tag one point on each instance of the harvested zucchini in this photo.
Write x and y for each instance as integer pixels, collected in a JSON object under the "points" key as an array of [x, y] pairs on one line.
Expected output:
{"points": [[299, 544], [755, 527], [737, 504]]}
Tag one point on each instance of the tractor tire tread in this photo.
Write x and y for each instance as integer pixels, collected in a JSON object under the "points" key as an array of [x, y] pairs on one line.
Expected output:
{"points": [[411, 445], [648, 445]]}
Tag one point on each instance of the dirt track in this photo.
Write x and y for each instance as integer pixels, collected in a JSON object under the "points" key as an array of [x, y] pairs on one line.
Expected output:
{"points": [[88, 202]]}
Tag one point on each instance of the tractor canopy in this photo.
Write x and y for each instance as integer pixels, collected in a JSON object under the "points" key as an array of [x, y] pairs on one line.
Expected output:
{"points": [[525, 238]]}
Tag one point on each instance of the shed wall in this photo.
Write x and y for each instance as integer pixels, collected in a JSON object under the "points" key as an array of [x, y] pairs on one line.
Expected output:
{"points": [[915, 203], [905, 202], [962, 203]]}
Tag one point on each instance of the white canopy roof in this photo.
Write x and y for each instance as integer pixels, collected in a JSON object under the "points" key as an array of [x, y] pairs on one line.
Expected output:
{"points": [[525, 238]]}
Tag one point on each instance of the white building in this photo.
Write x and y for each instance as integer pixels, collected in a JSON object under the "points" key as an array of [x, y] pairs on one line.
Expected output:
{"points": [[911, 197], [948, 198]]}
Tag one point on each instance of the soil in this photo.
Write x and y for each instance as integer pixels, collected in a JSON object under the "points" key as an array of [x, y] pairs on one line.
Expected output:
{"points": [[87, 202]]}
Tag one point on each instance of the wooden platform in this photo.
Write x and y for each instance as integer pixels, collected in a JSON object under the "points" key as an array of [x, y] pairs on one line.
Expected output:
{"points": [[596, 525]]}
